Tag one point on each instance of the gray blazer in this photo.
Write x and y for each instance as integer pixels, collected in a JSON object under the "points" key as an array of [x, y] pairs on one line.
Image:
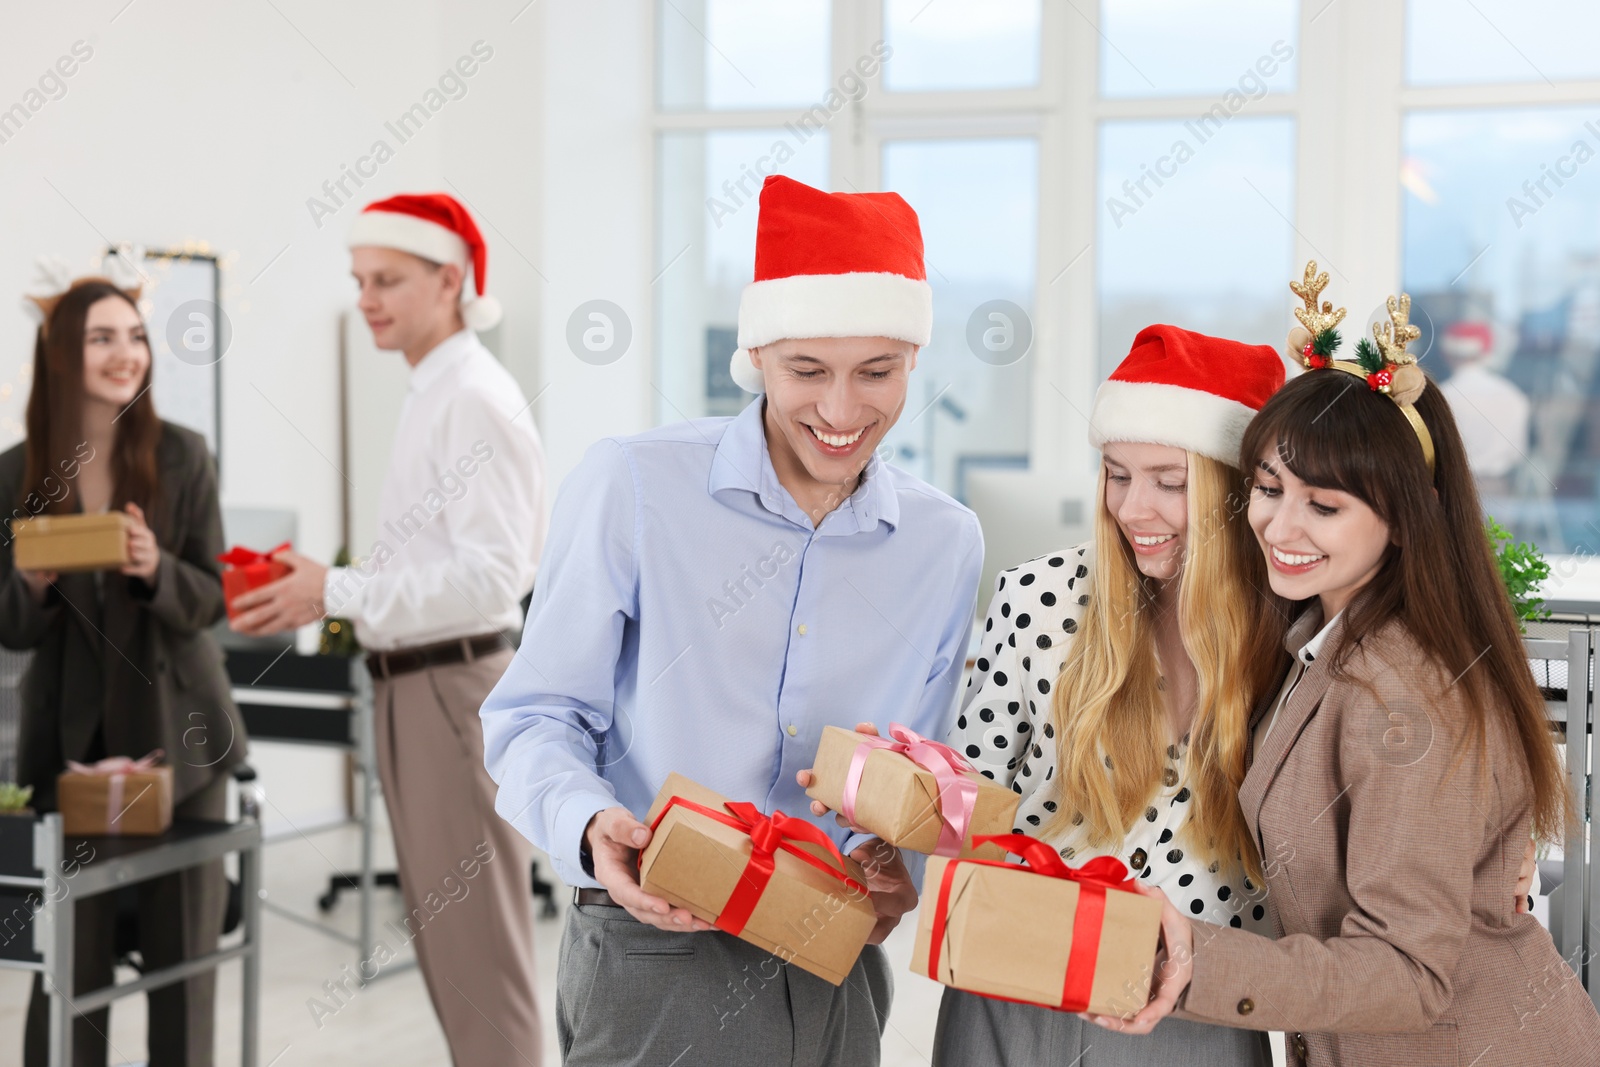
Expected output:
{"points": [[1391, 860], [139, 660]]}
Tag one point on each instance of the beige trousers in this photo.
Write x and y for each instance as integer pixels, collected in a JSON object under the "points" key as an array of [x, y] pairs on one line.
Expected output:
{"points": [[464, 871]]}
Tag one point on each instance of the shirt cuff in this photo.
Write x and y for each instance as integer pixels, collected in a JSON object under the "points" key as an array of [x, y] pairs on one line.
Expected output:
{"points": [[566, 839]]}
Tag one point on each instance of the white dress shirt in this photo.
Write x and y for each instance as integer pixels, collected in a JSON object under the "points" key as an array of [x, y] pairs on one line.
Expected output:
{"points": [[1492, 415], [461, 521], [1303, 659]]}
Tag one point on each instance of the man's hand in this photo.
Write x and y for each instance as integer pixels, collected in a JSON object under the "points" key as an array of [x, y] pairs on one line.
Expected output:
{"points": [[615, 838], [893, 892], [292, 601], [1174, 968], [818, 808]]}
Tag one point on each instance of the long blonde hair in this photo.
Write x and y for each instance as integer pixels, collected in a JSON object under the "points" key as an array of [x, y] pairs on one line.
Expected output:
{"points": [[1109, 713]]}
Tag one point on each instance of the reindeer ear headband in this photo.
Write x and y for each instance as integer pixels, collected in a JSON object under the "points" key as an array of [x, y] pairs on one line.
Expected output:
{"points": [[1386, 367], [52, 278]]}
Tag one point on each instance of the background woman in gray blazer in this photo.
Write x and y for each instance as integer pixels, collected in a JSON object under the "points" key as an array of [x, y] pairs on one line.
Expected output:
{"points": [[123, 663]]}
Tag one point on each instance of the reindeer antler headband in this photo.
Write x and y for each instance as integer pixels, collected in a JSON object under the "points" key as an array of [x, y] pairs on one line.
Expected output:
{"points": [[52, 278], [1386, 367]]}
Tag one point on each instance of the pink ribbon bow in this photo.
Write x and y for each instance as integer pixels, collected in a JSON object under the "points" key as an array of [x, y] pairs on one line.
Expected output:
{"points": [[117, 769], [949, 771]]}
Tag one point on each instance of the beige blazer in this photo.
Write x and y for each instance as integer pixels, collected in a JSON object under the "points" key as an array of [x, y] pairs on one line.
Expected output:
{"points": [[1391, 866]]}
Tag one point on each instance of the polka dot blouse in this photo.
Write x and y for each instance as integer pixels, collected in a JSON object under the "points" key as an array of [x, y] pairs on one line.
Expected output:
{"points": [[1005, 730]]}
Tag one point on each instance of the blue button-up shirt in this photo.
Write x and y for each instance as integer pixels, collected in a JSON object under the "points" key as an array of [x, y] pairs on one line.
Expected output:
{"points": [[689, 618]]}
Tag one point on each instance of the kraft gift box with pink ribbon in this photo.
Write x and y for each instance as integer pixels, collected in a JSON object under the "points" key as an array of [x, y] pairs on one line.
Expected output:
{"points": [[1069, 938], [777, 882], [911, 792], [116, 796]]}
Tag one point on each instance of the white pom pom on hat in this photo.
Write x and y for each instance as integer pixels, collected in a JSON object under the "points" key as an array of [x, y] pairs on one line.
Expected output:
{"points": [[832, 265], [436, 227]]}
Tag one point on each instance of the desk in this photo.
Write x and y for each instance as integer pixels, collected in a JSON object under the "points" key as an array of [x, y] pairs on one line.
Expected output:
{"points": [[60, 870], [318, 700]]}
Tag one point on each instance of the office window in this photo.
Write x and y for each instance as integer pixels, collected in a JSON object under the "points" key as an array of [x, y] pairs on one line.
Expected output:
{"points": [[978, 200], [1194, 229], [961, 44], [1502, 261], [1156, 48]]}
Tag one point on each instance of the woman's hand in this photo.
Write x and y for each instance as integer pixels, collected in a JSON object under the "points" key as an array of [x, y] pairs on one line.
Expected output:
{"points": [[1530, 864], [144, 554], [818, 808], [1174, 967], [38, 583]]}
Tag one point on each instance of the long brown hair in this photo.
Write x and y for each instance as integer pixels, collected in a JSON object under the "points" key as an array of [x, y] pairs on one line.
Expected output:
{"points": [[55, 414], [1107, 705], [1438, 578]]}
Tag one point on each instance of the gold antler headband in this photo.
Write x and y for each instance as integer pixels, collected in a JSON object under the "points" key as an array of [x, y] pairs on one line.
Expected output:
{"points": [[1386, 368]]}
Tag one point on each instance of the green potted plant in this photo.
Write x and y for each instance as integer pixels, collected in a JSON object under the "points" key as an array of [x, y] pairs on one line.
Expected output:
{"points": [[16, 829], [1523, 569]]}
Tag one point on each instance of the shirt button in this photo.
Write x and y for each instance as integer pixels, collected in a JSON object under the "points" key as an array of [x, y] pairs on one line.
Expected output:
{"points": [[1300, 1048], [793, 730], [1246, 1006], [801, 629]]}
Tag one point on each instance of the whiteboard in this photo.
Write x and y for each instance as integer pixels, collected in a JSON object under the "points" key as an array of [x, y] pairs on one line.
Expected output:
{"points": [[189, 335]]}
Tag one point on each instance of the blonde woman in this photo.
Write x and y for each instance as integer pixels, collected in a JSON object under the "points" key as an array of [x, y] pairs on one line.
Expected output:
{"points": [[1115, 680]]}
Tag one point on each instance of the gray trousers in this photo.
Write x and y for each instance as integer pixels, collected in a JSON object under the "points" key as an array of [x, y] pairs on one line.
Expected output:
{"points": [[975, 1031], [180, 917], [630, 994]]}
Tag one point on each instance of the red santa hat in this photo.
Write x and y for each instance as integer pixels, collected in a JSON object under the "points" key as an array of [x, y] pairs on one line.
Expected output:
{"points": [[832, 265], [1465, 341], [1185, 389], [436, 227]]}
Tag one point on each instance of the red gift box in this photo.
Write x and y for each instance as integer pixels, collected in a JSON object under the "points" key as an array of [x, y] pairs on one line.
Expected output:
{"points": [[249, 569]]}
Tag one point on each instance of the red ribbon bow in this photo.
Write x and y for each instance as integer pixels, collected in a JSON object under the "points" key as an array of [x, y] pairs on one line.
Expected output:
{"points": [[239, 556], [949, 773], [768, 834], [1093, 878]]}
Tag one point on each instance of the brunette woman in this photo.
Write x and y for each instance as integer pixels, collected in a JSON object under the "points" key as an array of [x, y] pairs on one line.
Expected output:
{"points": [[1400, 768], [123, 662]]}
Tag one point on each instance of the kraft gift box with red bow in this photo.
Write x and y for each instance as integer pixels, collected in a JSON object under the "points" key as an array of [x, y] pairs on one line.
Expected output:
{"points": [[248, 569], [1086, 943], [116, 796], [911, 792], [777, 882]]}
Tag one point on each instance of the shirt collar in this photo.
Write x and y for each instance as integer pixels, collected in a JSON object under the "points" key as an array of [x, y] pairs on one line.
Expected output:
{"points": [[743, 462], [446, 354], [1305, 648]]}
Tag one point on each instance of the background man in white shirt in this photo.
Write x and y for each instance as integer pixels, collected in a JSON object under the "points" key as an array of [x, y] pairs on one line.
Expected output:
{"points": [[460, 533]]}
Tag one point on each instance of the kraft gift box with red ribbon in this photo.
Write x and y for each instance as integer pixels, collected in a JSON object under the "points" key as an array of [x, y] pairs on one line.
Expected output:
{"points": [[911, 792], [71, 542], [777, 882], [116, 796], [1070, 938], [247, 570]]}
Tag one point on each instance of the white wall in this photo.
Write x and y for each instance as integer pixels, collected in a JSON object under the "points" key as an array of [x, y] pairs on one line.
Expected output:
{"points": [[201, 122]]}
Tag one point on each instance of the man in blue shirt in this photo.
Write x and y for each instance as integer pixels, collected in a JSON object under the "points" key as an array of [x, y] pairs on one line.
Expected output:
{"points": [[713, 594]]}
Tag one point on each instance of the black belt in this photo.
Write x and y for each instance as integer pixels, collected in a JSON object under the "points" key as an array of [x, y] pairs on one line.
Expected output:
{"points": [[593, 896], [458, 650]]}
